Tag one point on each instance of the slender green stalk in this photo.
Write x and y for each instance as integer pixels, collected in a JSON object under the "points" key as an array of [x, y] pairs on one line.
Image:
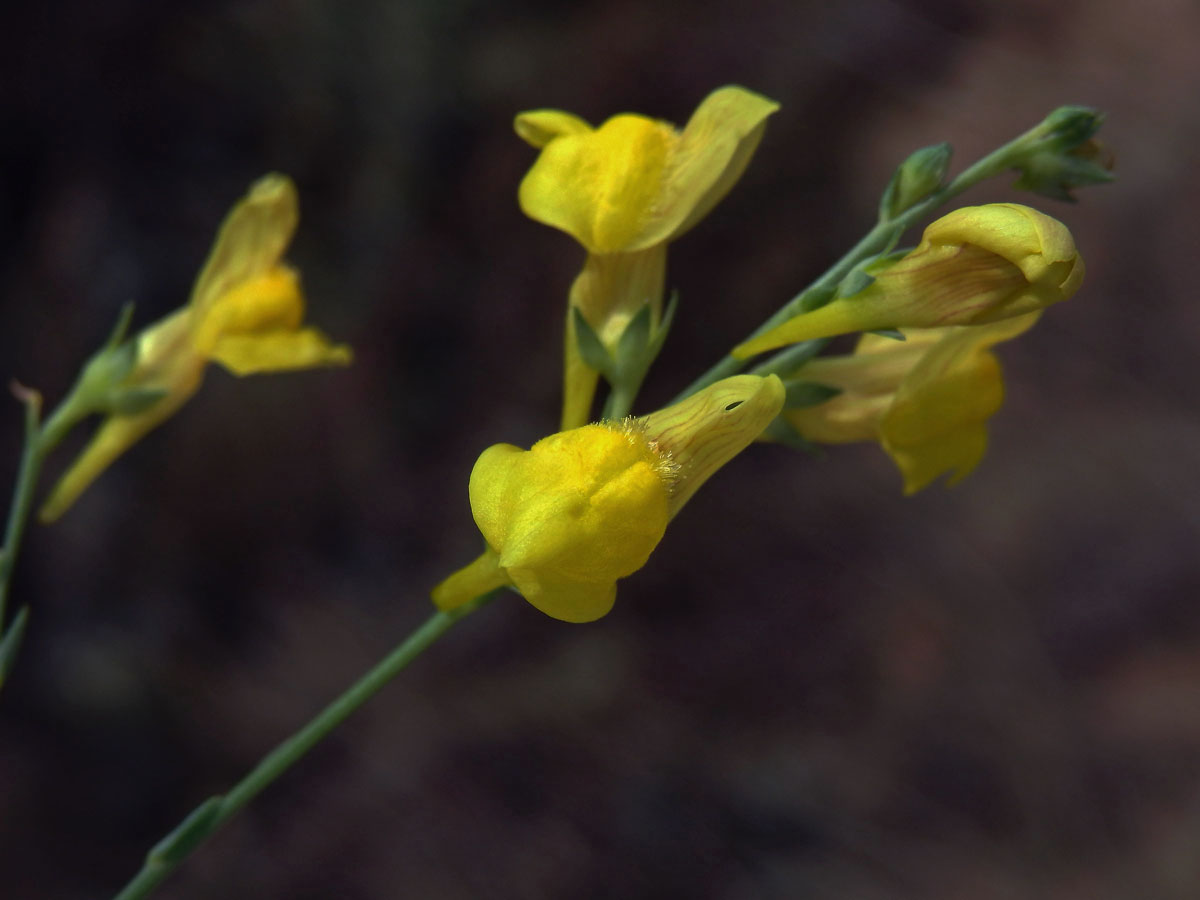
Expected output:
{"points": [[39, 441], [873, 242], [27, 476], [619, 402], [210, 815]]}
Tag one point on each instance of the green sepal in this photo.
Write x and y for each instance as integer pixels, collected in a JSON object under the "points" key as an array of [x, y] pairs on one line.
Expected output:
{"points": [[591, 349], [1054, 176], [813, 298], [1060, 154], [631, 348], [639, 345], [855, 282], [660, 334], [131, 401], [104, 372], [188, 834], [117, 335], [10, 644], [800, 394], [914, 180], [1069, 126]]}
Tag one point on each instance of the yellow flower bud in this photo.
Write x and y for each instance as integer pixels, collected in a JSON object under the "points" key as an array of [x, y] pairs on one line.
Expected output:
{"points": [[582, 508], [925, 399], [975, 265], [245, 313]]}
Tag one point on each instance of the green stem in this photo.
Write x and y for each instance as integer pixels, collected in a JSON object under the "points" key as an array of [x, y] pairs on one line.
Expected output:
{"points": [[873, 242], [209, 816], [27, 476], [39, 441], [621, 397]]}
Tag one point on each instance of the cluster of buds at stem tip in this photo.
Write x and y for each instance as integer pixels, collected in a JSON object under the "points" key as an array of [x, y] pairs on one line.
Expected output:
{"points": [[584, 507], [976, 265], [1062, 153]]}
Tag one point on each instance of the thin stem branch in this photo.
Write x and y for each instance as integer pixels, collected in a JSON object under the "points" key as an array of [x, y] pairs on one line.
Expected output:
{"points": [[210, 815], [27, 476], [40, 439]]}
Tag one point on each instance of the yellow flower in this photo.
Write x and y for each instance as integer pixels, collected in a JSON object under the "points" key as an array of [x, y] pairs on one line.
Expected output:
{"points": [[975, 265], [926, 399], [245, 313], [582, 508], [624, 190]]}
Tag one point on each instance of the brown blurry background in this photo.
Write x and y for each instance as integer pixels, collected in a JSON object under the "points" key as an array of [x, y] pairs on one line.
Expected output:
{"points": [[816, 688]]}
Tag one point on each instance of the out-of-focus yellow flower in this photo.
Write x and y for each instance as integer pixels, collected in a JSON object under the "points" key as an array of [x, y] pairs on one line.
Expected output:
{"points": [[975, 265], [245, 313], [624, 190], [925, 399], [582, 508]]}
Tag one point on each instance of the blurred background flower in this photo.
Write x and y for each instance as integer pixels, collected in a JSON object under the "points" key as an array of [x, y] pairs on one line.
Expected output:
{"points": [[835, 691]]}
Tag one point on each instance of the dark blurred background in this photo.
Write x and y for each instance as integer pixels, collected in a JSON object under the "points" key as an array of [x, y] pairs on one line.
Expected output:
{"points": [[816, 688]]}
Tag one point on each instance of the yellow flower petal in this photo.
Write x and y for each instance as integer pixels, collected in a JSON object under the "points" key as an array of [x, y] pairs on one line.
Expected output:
{"points": [[252, 239], [958, 452], [540, 126], [566, 599], [587, 504], [1040, 246], [279, 351], [471, 581], [116, 435], [270, 301], [491, 490], [936, 422], [710, 156], [600, 186], [634, 181], [926, 399], [568, 517]]}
